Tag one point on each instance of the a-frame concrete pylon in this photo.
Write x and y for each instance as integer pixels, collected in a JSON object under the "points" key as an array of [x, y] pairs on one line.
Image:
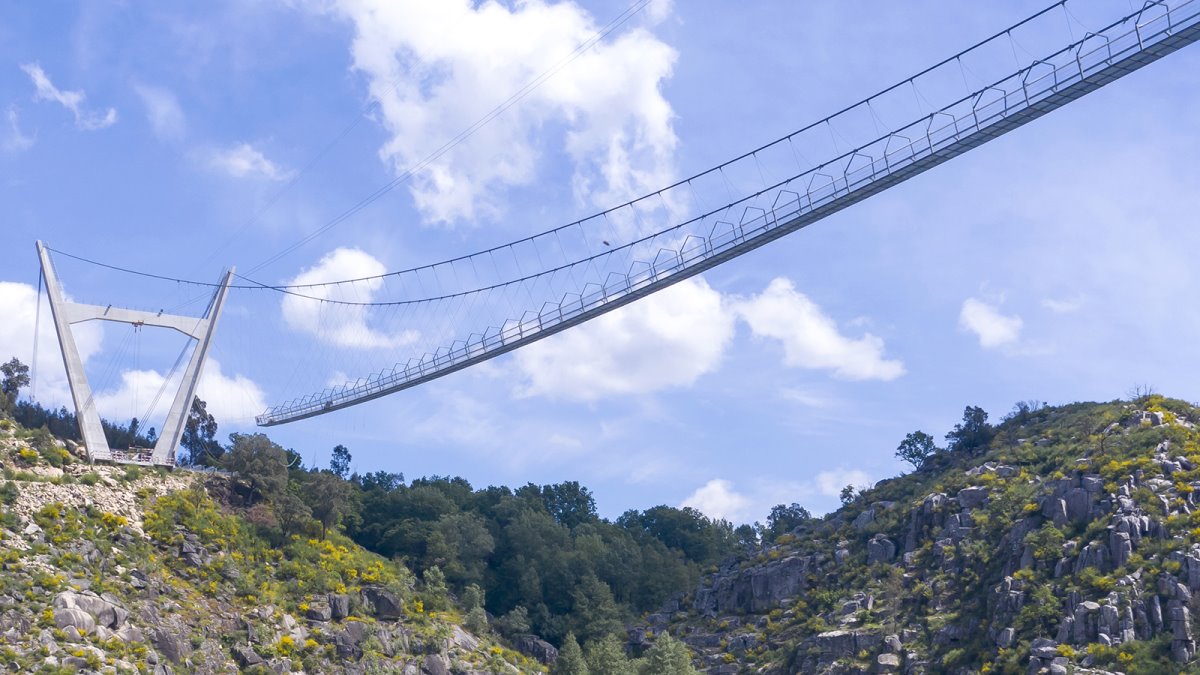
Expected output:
{"points": [[67, 313]]}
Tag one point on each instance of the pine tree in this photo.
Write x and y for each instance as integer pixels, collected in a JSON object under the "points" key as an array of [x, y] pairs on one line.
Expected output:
{"points": [[570, 659], [668, 656], [606, 656]]}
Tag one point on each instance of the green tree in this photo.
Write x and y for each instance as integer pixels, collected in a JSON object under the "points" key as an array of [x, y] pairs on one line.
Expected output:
{"points": [[570, 659], [972, 433], [472, 596], [668, 656], [747, 535], [261, 463], [16, 377], [606, 656], [329, 498], [916, 449], [594, 614], [200, 436], [339, 462], [291, 512], [783, 519], [435, 588], [849, 495], [460, 543], [515, 623]]}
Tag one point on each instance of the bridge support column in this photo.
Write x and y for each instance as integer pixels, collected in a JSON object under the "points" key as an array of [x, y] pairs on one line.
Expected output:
{"points": [[68, 313]]}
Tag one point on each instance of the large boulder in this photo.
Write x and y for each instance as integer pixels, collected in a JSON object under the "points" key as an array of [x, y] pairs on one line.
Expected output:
{"points": [[104, 610], [170, 645], [535, 647], [246, 657], [435, 664], [972, 497], [384, 602], [75, 618], [339, 606], [318, 612], [880, 549], [347, 641]]}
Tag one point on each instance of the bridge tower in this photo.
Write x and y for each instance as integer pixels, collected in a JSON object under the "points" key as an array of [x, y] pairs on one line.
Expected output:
{"points": [[68, 313]]}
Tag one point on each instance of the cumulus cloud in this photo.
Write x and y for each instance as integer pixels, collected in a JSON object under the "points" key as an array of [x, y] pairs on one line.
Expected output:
{"points": [[71, 100], [830, 483], [15, 140], [672, 337], [134, 397], [18, 306], [991, 327], [162, 111], [341, 325], [811, 339], [437, 68], [666, 340], [717, 499], [244, 160], [232, 400]]}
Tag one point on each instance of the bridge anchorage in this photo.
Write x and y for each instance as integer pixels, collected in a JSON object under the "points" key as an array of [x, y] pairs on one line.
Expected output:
{"points": [[67, 314], [947, 120]]}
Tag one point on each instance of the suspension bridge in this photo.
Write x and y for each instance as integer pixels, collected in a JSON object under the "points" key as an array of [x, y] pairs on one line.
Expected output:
{"points": [[463, 311]]}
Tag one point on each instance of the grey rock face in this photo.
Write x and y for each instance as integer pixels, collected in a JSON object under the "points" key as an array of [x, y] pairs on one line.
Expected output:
{"points": [[339, 606], [880, 549], [1043, 648], [385, 603], [1004, 639], [346, 643], [170, 645], [246, 657], [318, 613], [972, 497], [435, 664], [887, 663], [756, 589], [75, 618], [533, 646]]}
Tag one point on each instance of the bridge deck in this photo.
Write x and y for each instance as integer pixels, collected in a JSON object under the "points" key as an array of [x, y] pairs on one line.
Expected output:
{"points": [[1043, 86]]}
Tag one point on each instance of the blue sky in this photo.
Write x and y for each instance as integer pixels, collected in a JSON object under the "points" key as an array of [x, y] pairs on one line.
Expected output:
{"points": [[1053, 264]]}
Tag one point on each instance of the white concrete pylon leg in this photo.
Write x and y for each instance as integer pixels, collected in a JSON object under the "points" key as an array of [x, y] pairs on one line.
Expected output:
{"points": [[172, 431], [85, 405], [199, 328]]}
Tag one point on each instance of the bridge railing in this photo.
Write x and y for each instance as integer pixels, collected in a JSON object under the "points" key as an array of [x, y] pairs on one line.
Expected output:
{"points": [[1043, 85]]}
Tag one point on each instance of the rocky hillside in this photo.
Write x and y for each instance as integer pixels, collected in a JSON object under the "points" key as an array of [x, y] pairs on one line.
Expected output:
{"points": [[1067, 541], [112, 569]]}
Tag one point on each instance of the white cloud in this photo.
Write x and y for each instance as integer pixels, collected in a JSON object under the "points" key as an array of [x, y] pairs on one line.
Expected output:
{"points": [[985, 321], [666, 340], [807, 399], [233, 401], [671, 338], [717, 499], [71, 100], [341, 325], [1063, 306], [244, 160], [134, 396], [811, 338], [830, 483], [438, 67], [18, 307], [162, 111], [15, 140]]}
